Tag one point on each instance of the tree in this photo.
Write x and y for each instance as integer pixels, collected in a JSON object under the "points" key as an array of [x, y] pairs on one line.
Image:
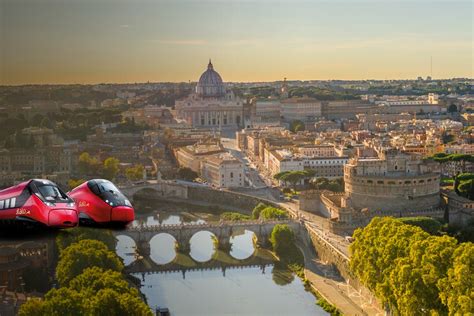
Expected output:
{"points": [[282, 239], [72, 183], [257, 210], [428, 224], [271, 212], [74, 235], [466, 189], [87, 164], [32, 307], [135, 173], [109, 302], [234, 216], [64, 301], [292, 177], [94, 279], [187, 174], [297, 126], [456, 289], [410, 270], [85, 254], [111, 168]]}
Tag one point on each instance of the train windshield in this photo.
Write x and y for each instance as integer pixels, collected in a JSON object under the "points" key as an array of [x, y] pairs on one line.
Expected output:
{"points": [[108, 192], [49, 192]]}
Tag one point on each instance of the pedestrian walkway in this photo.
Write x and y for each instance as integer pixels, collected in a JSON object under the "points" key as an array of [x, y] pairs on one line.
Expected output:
{"points": [[335, 290]]}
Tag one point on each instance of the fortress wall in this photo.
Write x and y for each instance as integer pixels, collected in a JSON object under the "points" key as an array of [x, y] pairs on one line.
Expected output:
{"points": [[393, 194], [395, 204]]}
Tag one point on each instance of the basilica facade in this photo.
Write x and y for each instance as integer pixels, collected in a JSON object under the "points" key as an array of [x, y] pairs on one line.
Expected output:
{"points": [[211, 105]]}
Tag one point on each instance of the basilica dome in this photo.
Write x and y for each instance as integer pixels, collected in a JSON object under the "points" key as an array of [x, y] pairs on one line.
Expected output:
{"points": [[210, 83]]}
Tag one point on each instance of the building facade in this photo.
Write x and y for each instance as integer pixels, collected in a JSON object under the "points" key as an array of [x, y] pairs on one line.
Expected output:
{"points": [[211, 106]]}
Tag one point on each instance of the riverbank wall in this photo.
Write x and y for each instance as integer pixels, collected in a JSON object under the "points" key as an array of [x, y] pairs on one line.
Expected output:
{"points": [[328, 254]]}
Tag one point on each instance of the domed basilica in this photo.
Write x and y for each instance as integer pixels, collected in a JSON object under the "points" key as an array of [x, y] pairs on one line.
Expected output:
{"points": [[211, 106]]}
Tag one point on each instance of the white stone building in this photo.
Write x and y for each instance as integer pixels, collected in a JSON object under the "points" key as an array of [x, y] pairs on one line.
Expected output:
{"points": [[223, 171]]}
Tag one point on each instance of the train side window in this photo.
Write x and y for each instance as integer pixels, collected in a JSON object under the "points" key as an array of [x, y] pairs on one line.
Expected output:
{"points": [[7, 203], [12, 202], [1, 204]]}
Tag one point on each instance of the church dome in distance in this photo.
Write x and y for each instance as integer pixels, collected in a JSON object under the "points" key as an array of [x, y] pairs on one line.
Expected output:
{"points": [[210, 83]]}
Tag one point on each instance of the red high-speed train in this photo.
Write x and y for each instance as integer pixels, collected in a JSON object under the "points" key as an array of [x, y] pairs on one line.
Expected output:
{"points": [[99, 201], [38, 202]]}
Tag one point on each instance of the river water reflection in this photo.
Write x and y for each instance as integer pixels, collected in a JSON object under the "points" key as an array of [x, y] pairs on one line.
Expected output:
{"points": [[242, 291], [239, 290]]}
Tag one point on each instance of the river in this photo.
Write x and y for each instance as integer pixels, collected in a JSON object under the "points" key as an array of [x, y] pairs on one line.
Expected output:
{"points": [[251, 285]]}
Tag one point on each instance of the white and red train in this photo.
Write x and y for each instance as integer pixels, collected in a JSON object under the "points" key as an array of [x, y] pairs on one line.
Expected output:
{"points": [[100, 201], [42, 202], [38, 202]]}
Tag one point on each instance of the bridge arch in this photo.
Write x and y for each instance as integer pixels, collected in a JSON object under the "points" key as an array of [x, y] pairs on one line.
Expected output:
{"points": [[243, 245], [203, 246], [126, 249], [163, 248], [145, 192]]}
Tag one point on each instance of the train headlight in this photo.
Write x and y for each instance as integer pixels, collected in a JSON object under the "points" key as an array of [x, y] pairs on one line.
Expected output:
{"points": [[127, 202], [49, 204], [71, 204]]}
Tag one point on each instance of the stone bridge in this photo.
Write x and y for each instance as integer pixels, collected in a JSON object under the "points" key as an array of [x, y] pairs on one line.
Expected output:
{"points": [[193, 193], [222, 231], [164, 189]]}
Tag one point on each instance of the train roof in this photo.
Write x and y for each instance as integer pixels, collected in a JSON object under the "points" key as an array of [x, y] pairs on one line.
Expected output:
{"points": [[20, 186]]}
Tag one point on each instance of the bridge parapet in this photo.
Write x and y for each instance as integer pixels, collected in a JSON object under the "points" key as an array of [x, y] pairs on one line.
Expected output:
{"points": [[222, 230], [158, 228]]}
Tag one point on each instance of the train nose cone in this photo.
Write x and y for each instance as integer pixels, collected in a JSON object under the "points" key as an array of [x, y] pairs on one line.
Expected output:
{"points": [[123, 214], [63, 218]]}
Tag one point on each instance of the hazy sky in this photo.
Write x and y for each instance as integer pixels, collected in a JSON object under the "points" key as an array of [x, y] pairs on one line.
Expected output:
{"points": [[94, 41]]}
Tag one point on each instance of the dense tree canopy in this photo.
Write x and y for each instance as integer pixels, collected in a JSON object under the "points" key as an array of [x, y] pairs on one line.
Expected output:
{"points": [[257, 210], [271, 212], [294, 177], [94, 292], [88, 165], [457, 289], [82, 255], [91, 284], [234, 216], [135, 173], [67, 237], [409, 269], [266, 212], [282, 239], [428, 224], [111, 168], [72, 183]]}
